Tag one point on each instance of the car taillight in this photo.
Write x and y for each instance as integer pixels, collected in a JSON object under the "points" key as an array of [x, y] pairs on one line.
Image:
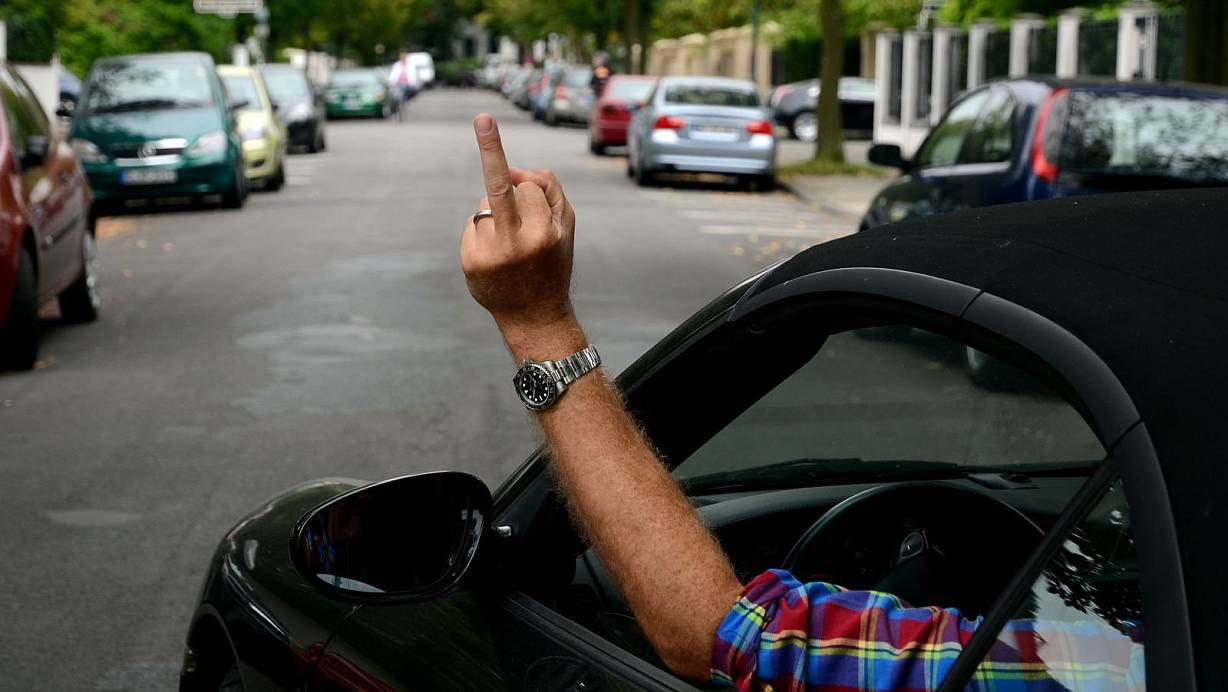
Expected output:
{"points": [[560, 92], [761, 127], [1042, 167], [668, 122], [777, 95]]}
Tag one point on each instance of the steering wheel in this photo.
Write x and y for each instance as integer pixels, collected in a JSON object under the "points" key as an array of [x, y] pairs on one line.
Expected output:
{"points": [[929, 543]]}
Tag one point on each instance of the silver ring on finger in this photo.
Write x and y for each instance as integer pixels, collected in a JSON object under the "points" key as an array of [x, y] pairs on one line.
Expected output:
{"points": [[483, 214]]}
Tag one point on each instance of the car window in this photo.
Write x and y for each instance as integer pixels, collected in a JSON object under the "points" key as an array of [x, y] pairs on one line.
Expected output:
{"points": [[135, 85], [1081, 627], [286, 84], [991, 137], [21, 123], [708, 95], [578, 78], [354, 78], [1147, 134], [893, 401], [942, 147], [242, 87], [36, 117]]}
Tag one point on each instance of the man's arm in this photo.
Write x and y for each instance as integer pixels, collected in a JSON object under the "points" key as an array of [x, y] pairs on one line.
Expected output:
{"points": [[676, 579]]}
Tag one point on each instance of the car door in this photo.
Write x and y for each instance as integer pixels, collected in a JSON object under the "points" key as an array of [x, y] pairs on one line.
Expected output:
{"points": [[51, 186]]}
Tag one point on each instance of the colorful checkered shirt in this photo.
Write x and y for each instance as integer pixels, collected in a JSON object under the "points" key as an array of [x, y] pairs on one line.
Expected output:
{"points": [[785, 635]]}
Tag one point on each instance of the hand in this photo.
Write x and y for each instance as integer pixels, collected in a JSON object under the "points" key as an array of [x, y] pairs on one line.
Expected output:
{"points": [[518, 264]]}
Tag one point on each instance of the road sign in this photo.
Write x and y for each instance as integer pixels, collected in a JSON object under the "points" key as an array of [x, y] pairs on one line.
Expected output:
{"points": [[228, 7]]}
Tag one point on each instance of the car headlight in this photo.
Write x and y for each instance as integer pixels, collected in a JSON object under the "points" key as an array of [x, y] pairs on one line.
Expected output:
{"points": [[208, 143], [300, 111], [87, 151], [254, 132]]}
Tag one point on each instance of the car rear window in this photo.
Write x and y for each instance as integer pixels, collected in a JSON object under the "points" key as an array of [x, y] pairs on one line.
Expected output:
{"points": [[1147, 135], [136, 85], [578, 78], [629, 89], [283, 83], [706, 95]]}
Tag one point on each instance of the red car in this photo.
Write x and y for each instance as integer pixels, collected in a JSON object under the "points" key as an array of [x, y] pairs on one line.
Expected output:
{"points": [[612, 112], [46, 228]]}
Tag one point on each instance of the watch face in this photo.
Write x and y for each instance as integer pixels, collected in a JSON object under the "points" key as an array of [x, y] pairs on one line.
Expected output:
{"points": [[535, 386]]}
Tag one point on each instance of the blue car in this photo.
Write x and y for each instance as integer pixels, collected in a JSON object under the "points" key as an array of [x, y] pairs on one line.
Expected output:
{"points": [[1025, 139]]}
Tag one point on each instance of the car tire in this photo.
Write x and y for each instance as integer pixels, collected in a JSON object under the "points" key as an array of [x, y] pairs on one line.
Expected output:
{"points": [[81, 302], [19, 334], [643, 176], [762, 183], [279, 178], [596, 147], [551, 119], [317, 142], [805, 127], [237, 195]]}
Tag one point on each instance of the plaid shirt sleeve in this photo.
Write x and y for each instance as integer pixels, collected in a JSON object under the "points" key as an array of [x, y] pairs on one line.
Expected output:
{"points": [[785, 635]]}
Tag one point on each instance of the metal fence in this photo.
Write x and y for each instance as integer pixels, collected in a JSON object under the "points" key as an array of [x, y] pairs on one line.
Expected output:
{"points": [[957, 66], [1042, 50], [1170, 46], [925, 73], [895, 90], [997, 54], [1098, 48]]}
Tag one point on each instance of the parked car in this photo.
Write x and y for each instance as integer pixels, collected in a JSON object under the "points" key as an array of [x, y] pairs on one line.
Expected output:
{"points": [[69, 91], [1026, 139], [262, 131], [358, 92], [158, 125], [46, 225], [702, 124], [1060, 500], [793, 106], [299, 104], [525, 97], [572, 100], [612, 112], [517, 92], [424, 65]]}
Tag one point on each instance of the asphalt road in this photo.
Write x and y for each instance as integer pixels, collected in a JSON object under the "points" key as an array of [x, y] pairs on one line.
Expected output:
{"points": [[324, 330]]}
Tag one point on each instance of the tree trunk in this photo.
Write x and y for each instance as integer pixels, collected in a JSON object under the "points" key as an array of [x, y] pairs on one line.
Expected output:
{"points": [[1206, 31], [631, 28], [830, 145], [641, 34]]}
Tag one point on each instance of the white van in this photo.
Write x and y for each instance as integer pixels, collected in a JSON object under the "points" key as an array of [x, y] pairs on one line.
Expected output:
{"points": [[425, 65]]}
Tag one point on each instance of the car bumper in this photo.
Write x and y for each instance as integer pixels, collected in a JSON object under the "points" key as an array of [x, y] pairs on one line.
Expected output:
{"points": [[213, 177], [571, 111], [749, 158], [301, 133], [261, 158], [610, 133], [366, 109]]}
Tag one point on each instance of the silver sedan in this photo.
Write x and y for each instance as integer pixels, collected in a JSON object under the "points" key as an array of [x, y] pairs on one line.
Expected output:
{"points": [[702, 125]]}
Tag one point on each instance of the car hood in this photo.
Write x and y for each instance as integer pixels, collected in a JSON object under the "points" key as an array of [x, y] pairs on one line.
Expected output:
{"points": [[254, 119], [105, 129]]}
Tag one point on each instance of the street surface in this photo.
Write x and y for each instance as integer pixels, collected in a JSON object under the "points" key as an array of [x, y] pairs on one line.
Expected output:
{"points": [[324, 330]]}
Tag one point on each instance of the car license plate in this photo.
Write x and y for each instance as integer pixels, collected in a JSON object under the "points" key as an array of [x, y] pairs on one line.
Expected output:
{"points": [[716, 129], [352, 104], [152, 176]]}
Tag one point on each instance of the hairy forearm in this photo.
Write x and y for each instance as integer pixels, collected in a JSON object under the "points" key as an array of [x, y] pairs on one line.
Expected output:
{"points": [[673, 574]]}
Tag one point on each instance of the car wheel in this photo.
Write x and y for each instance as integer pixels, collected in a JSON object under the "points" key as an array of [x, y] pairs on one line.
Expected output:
{"points": [[551, 119], [19, 334], [596, 147], [805, 127], [237, 195], [643, 176], [81, 301], [763, 183], [630, 168], [279, 178]]}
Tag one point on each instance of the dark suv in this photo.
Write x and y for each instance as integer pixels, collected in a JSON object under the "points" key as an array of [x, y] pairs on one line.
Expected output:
{"points": [[1026, 139]]}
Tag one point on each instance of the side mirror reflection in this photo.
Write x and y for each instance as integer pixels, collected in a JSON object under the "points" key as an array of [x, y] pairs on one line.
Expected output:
{"points": [[406, 539]]}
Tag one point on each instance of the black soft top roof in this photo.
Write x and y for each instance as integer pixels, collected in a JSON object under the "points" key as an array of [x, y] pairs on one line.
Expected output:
{"points": [[1141, 278]]}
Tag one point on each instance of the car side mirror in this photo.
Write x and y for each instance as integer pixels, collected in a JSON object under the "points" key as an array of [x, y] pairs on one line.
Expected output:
{"points": [[35, 152], [236, 105], [403, 540], [276, 108], [888, 155]]}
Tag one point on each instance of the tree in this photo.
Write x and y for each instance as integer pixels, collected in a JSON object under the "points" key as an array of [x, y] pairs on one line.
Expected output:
{"points": [[830, 144]]}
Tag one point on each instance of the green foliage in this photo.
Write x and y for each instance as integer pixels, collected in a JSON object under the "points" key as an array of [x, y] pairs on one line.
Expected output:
{"points": [[966, 11], [96, 28], [31, 28]]}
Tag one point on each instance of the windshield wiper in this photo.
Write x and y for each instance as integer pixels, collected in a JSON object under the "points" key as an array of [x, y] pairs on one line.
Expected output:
{"points": [[146, 104], [813, 471]]}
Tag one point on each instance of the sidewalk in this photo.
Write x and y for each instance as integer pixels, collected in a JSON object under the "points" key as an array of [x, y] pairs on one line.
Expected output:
{"points": [[844, 197]]}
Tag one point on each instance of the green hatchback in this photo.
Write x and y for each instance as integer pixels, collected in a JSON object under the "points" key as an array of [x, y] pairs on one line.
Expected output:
{"points": [[357, 93], [158, 126]]}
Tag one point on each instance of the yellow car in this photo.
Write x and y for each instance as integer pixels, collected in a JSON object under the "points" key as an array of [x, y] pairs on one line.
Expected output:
{"points": [[263, 132]]}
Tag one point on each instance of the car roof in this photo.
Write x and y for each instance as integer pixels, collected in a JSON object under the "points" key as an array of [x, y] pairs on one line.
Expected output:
{"points": [[1139, 278], [176, 55], [710, 81], [236, 69], [1106, 84]]}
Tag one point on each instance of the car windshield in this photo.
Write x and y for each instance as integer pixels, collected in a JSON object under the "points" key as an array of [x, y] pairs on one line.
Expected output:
{"points": [[578, 78], [242, 88], [1147, 135], [131, 85], [283, 83], [629, 89], [709, 95], [350, 79]]}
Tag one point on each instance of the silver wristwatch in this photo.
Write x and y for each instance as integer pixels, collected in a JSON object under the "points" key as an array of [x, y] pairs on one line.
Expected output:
{"points": [[540, 384]]}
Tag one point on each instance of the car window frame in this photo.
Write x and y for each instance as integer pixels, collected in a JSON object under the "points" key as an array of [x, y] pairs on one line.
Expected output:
{"points": [[961, 159], [17, 133], [1005, 330], [982, 92]]}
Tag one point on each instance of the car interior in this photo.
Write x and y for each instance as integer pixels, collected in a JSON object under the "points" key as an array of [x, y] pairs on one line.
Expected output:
{"points": [[849, 444]]}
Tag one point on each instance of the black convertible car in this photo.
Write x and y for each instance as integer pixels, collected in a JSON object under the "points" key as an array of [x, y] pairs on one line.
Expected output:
{"points": [[1081, 484]]}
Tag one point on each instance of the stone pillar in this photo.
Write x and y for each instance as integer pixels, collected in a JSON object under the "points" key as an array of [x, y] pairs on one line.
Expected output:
{"points": [[1021, 36], [869, 48], [691, 55], [769, 34], [1138, 29], [4, 41], [976, 51], [940, 70], [1068, 42], [910, 82], [882, 80]]}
